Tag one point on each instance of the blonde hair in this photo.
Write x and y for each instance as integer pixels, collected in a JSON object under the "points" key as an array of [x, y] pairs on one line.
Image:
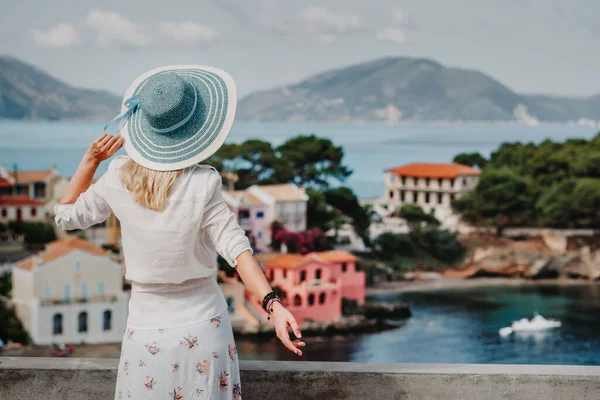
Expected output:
{"points": [[148, 187]]}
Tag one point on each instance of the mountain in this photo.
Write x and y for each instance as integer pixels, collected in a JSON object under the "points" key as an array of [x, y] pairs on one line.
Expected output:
{"points": [[408, 89], [29, 93]]}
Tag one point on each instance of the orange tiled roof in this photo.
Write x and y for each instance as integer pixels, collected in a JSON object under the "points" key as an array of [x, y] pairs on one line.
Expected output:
{"points": [[18, 201], [30, 176], [284, 192], [59, 248], [5, 182], [337, 256], [290, 261], [434, 170], [249, 198]]}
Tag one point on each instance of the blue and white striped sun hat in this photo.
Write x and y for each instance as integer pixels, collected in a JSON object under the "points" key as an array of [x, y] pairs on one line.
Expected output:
{"points": [[176, 116]]}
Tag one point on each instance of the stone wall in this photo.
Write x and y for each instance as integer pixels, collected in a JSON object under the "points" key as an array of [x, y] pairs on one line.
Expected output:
{"points": [[94, 379]]}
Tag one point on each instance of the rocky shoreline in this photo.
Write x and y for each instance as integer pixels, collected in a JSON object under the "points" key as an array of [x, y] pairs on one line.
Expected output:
{"points": [[366, 318]]}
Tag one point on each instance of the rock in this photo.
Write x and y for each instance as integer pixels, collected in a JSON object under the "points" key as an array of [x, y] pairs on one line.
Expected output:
{"points": [[384, 311], [542, 268], [555, 240]]}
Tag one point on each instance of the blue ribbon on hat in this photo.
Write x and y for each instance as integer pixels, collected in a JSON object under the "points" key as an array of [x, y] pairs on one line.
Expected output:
{"points": [[131, 103]]}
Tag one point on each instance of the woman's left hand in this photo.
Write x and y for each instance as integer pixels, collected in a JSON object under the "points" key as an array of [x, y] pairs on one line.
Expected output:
{"points": [[104, 147], [284, 319]]}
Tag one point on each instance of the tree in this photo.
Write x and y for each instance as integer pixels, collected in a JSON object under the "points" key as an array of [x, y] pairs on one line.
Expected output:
{"points": [[315, 161], [501, 197], [390, 245], [318, 212], [471, 159], [344, 200], [442, 244], [416, 218]]}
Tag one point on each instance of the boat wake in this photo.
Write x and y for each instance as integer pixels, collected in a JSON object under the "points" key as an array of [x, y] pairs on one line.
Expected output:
{"points": [[536, 324]]}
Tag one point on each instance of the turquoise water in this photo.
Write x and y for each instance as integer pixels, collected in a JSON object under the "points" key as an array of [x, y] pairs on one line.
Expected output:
{"points": [[369, 148], [461, 326]]}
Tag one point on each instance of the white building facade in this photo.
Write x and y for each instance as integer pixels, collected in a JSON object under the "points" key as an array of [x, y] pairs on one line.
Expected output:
{"points": [[70, 293], [431, 186], [21, 208]]}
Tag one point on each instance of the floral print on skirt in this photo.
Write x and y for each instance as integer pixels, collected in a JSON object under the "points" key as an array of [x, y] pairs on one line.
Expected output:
{"points": [[195, 361]]}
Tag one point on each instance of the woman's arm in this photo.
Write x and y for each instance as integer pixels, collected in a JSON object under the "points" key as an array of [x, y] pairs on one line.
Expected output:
{"points": [[257, 283], [101, 149]]}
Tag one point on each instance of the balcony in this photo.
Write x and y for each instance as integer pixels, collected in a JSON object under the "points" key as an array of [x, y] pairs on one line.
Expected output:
{"points": [[94, 379]]}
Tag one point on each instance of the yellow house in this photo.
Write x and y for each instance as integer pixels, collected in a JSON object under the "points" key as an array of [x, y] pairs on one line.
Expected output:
{"points": [[72, 292]]}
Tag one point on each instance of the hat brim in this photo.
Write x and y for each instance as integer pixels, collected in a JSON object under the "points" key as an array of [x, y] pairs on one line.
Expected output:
{"points": [[196, 140]]}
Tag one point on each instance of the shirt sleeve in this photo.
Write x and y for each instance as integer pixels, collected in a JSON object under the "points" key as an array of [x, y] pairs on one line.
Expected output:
{"points": [[89, 209], [221, 225]]}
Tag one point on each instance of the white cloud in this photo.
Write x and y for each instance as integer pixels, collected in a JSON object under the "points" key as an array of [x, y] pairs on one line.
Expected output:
{"points": [[62, 35], [393, 35], [327, 39], [114, 29], [399, 16], [187, 32], [321, 20]]}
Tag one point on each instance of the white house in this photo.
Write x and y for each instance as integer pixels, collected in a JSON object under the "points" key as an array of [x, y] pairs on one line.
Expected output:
{"points": [[431, 186], [70, 293], [21, 208], [260, 205], [46, 186]]}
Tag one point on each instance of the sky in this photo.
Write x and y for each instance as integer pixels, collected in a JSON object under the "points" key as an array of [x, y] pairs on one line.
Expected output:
{"points": [[532, 46]]}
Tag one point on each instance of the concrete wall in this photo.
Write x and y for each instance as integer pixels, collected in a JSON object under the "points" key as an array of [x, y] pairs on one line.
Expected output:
{"points": [[94, 379]]}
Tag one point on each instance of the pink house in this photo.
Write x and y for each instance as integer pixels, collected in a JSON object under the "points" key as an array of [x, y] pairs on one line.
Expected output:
{"points": [[313, 285]]}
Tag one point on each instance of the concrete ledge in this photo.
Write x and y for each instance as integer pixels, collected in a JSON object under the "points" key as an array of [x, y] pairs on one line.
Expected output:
{"points": [[94, 379]]}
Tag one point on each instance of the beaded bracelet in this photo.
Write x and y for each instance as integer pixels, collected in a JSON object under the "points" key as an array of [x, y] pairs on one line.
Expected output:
{"points": [[269, 306], [267, 298]]}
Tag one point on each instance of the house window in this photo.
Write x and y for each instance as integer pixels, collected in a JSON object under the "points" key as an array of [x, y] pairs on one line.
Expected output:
{"points": [[284, 273], [84, 290], [464, 181], [452, 182], [82, 322], [391, 194], [452, 197], [322, 298], [440, 180], [101, 288], [67, 292], [33, 211], [297, 300], [57, 327], [77, 265], [402, 196], [244, 214], [47, 291], [426, 198], [231, 304], [271, 274], [311, 299], [318, 274], [403, 180], [427, 180], [260, 214], [260, 235], [4, 213], [302, 276], [344, 267], [440, 198], [107, 320]]}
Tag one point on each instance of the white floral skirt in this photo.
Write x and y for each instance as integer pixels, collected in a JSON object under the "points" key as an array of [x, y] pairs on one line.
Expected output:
{"points": [[169, 358]]}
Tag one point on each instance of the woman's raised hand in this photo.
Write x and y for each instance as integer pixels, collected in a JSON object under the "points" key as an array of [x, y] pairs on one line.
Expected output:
{"points": [[105, 146]]}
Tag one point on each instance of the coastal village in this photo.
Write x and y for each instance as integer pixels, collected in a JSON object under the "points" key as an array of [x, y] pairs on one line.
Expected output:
{"points": [[70, 288]]}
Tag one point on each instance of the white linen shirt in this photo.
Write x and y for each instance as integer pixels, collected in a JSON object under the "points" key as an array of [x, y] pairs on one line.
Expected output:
{"points": [[169, 246]]}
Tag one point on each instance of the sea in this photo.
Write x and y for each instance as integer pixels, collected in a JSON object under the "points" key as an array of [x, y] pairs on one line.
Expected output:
{"points": [[463, 326], [369, 149]]}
